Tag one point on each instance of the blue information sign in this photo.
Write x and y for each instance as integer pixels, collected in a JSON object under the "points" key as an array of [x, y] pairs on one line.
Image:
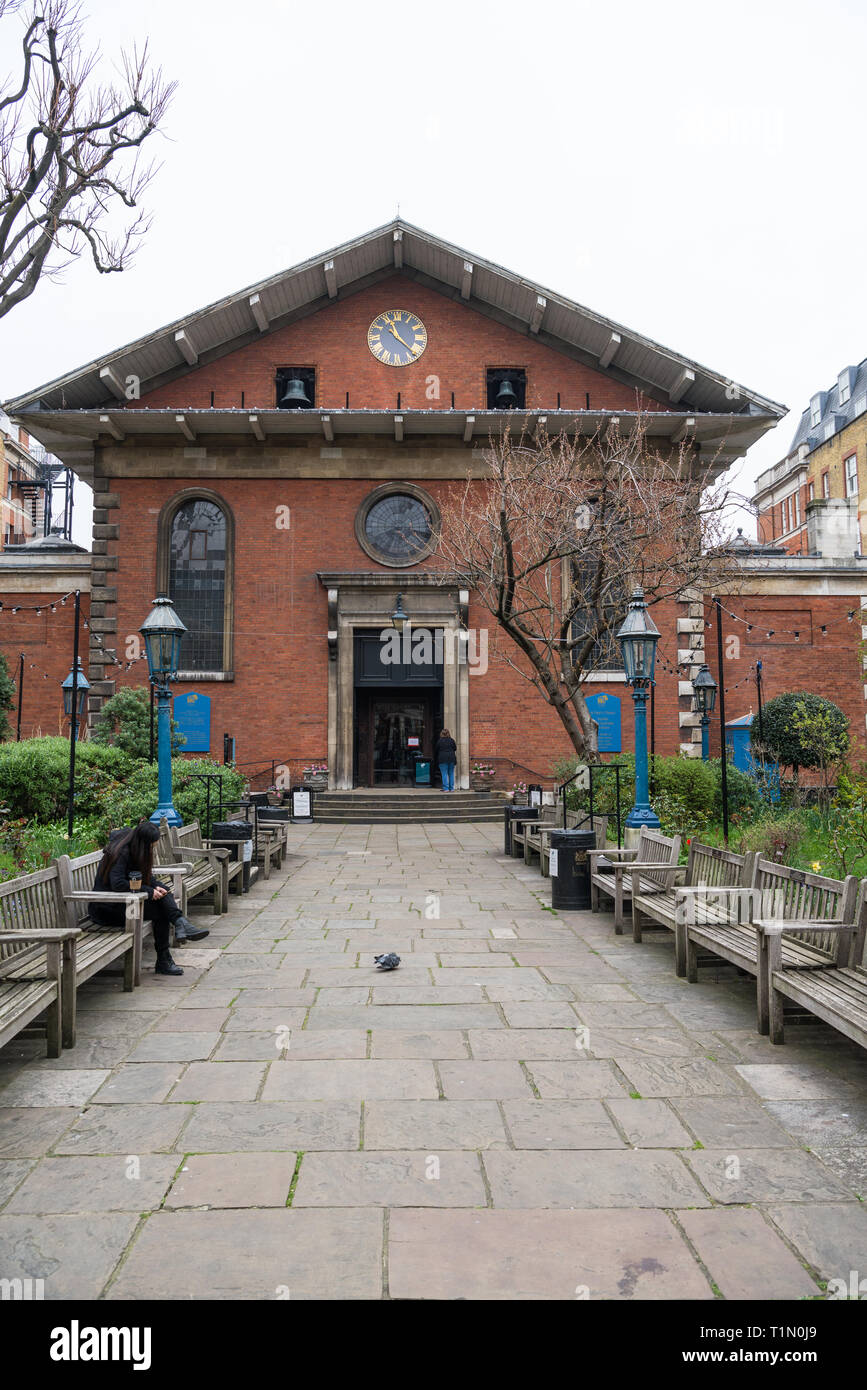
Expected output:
{"points": [[193, 717], [605, 709]]}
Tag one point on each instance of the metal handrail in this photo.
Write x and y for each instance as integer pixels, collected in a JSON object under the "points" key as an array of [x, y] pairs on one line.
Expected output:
{"points": [[592, 768]]}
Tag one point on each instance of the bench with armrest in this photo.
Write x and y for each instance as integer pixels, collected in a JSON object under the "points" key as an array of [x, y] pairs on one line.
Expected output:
{"points": [[271, 840], [519, 826], [100, 945], [706, 867], [833, 990], [615, 873], [722, 921], [40, 911], [194, 871], [24, 1000], [187, 841]]}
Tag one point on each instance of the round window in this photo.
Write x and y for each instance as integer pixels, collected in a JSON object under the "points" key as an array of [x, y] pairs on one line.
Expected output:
{"points": [[396, 525]]}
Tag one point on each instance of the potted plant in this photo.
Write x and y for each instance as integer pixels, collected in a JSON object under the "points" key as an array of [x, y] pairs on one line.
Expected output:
{"points": [[316, 776], [275, 796], [520, 795], [481, 775]]}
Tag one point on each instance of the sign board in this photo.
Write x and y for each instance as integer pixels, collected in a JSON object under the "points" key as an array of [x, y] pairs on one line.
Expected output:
{"points": [[301, 809], [192, 714], [555, 865], [247, 847], [535, 796], [412, 743], [605, 709]]}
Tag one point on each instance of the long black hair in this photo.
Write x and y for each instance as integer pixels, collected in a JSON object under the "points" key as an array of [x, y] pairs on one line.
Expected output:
{"points": [[139, 841]]}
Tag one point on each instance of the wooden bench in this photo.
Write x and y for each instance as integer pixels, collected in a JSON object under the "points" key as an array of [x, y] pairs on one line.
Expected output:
{"points": [[194, 871], [549, 818], [100, 945], [271, 840], [706, 867], [23, 1001], [615, 872], [187, 841], [46, 903], [835, 992], [813, 909], [575, 820]]}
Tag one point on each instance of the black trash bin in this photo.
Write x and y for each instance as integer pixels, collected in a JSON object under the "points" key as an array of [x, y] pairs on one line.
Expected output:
{"points": [[241, 832], [513, 813], [570, 869]]}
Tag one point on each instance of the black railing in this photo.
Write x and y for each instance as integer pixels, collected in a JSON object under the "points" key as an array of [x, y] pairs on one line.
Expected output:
{"points": [[593, 770], [264, 770]]}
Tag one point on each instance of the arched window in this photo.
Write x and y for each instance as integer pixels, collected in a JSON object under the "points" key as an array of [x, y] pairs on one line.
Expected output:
{"points": [[196, 568]]}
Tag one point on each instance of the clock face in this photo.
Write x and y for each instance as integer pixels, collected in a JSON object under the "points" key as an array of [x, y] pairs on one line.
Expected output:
{"points": [[397, 337]]}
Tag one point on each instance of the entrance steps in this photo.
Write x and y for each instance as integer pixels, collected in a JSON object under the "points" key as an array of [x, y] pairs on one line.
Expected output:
{"points": [[407, 806]]}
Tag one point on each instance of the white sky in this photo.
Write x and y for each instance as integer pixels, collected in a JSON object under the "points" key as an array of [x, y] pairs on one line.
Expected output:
{"points": [[692, 171]]}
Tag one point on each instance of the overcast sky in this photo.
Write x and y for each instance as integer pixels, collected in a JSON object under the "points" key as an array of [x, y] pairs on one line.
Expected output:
{"points": [[692, 171]]}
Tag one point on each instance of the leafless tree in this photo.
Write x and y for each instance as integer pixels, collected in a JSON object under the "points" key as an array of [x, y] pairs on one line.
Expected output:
{"points": [[70, 147], [557, 532]]}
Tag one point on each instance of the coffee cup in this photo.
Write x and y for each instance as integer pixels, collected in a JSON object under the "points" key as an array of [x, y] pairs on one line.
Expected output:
{"points": [[135, 882]]}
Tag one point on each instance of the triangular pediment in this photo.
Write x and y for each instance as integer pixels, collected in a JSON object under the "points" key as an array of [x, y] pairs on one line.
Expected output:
{"points": [[542, 319]]}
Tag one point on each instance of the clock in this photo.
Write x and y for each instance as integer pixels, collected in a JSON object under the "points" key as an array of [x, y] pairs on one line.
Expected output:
{"points": [[397, 337]]}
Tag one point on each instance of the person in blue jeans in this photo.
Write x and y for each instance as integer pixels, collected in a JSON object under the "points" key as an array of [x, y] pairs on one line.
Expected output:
{"points": [[446, 754]]}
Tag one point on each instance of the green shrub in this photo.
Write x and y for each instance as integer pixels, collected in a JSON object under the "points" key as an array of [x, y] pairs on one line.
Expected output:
{"points": [[138, 795], [124, 722], [34, 777], [801, 729], [25, 848], [744, 793], [776, 837]]}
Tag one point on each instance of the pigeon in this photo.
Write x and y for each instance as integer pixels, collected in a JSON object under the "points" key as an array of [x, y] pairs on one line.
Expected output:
{"points": [[387, 962]]}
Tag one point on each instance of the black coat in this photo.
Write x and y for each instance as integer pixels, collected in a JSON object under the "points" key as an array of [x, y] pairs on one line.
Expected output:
{"points": [[446, 750], [118, 877]]}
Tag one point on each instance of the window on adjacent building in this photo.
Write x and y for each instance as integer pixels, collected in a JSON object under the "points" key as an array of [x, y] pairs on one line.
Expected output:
{"points": [[851, 466], [796, 502], [811, 491], [815, 410], [845, 387], [826, 485], [859, 405]]}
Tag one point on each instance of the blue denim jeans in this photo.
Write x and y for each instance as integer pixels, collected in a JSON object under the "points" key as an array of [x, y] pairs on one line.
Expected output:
{"points": [[447, 772]]}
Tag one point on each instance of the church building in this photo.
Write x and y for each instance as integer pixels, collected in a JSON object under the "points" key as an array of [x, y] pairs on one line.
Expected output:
{"points": [[276, 462]]}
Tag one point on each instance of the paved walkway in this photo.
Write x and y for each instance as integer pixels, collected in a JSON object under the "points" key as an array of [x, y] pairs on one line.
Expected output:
{"points": [[530, 1107]]}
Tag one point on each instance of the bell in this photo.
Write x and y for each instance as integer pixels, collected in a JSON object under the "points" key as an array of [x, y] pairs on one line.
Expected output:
{"points": [[506, 398], [294, 397]]}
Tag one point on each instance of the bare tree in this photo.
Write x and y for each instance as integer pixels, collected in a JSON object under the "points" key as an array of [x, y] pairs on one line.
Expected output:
{"points": [[554, 536], [70, 168]]}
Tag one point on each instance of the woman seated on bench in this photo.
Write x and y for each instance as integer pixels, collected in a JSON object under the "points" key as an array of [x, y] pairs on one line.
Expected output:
{"points": [[130, 852]]}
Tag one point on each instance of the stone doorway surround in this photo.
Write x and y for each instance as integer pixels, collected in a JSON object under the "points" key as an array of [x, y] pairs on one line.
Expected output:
{"points": [[366, 600]]}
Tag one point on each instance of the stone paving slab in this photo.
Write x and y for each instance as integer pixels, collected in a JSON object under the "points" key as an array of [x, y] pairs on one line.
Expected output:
{"points": [[530, 1107], [260, 1254], [394, 1179], [74, 1255], [540, 1255]]}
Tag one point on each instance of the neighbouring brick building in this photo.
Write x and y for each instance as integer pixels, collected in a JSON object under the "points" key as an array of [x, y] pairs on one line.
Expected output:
{"points": [[824, 470], [275, 461]]}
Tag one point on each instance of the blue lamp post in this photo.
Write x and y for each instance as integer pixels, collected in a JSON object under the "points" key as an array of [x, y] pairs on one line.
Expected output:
{"points": [[162, 631], [638, 636], [703, 701]]}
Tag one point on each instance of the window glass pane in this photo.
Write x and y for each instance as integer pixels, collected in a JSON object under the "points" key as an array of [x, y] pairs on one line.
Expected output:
{"points": [[398, 526], [197, 582]]}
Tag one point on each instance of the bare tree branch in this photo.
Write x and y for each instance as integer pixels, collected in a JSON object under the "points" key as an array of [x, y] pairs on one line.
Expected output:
{"points": [[70, 152], [559, 529]]}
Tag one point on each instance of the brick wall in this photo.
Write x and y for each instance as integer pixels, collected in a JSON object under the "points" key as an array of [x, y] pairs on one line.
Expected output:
{"points": [[828, 662], [461, 345], [47, 643]]}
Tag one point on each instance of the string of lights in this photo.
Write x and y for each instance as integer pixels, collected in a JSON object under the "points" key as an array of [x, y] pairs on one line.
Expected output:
{"points": [[779, 631]]}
